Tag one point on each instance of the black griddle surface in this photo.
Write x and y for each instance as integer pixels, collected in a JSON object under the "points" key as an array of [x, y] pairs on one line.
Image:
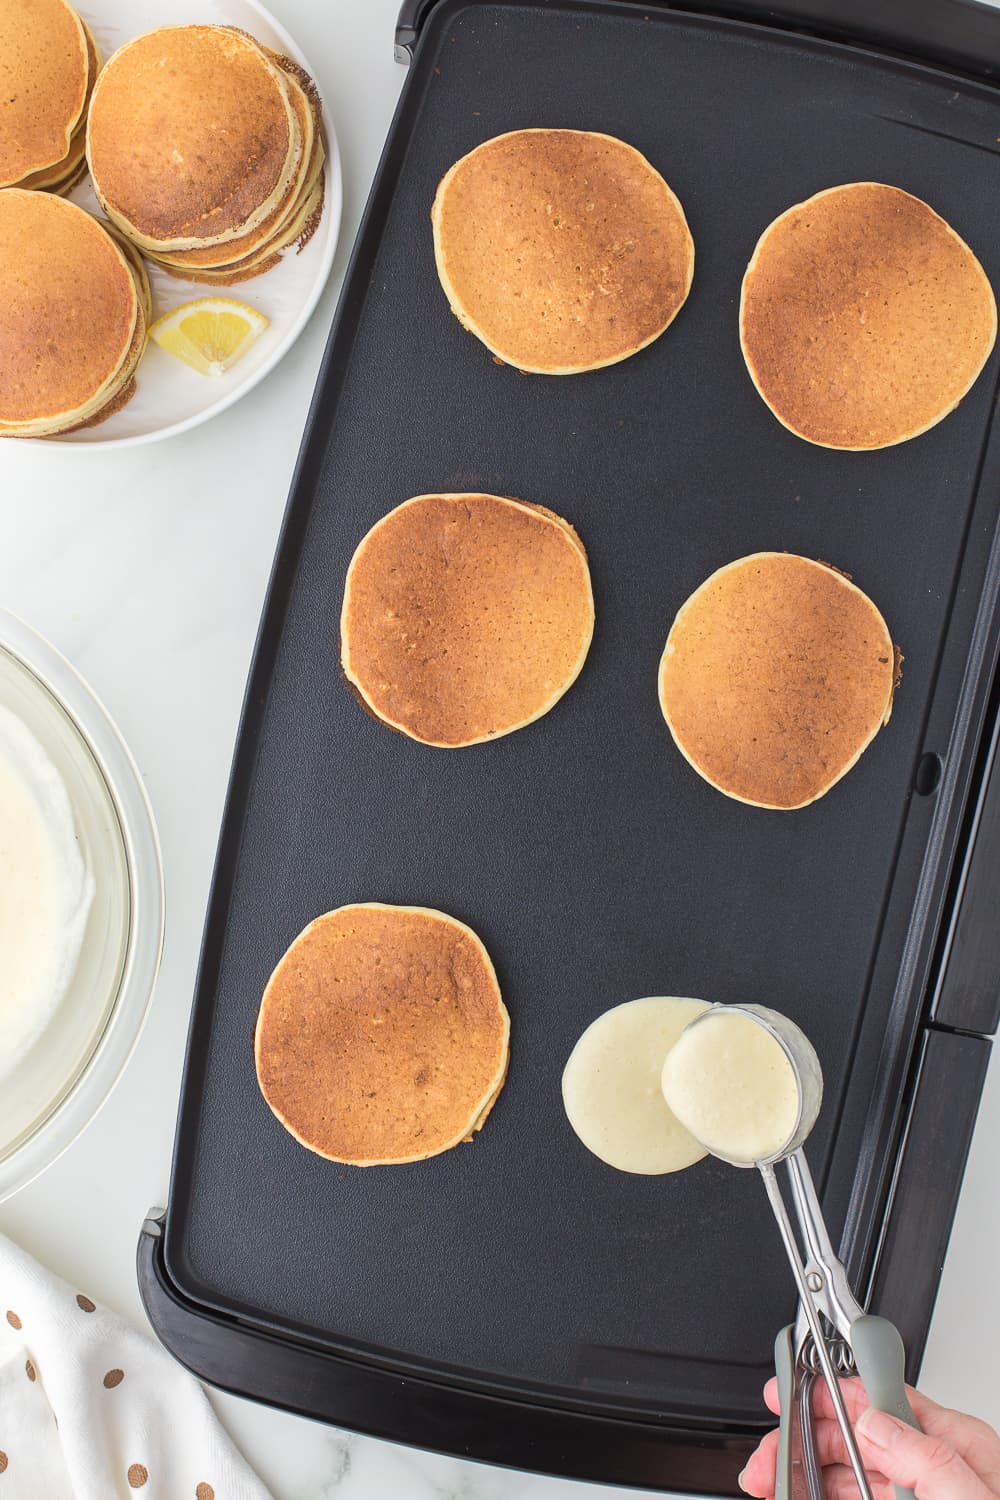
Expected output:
{"points": [[593, 862]]}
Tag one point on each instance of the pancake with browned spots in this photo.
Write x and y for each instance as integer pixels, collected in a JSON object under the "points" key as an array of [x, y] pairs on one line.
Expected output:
{"points": [[192, 137], [44, 75], [777, 673], [562, 250], [382, 1036], [230, 251], [864, 317], [71, 324], [466, 616]]}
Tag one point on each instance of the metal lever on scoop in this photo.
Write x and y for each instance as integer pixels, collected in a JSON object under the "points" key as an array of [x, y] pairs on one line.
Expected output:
{"points": [[856, 1344], [806, 1281], [851, 1342]]}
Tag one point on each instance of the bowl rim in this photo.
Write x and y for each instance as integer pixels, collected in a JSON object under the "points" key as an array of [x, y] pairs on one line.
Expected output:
{"points": [[96, 1080]]}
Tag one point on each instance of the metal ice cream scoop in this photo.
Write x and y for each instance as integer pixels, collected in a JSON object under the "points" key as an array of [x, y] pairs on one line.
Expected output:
{"points": [[832, 1335]]}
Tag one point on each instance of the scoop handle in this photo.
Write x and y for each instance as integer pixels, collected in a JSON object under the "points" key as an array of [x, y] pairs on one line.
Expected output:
{"points": [[881, 1361], [784, 1364]]}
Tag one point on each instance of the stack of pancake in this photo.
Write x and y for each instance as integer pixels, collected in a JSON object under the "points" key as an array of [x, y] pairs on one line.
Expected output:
{"points": [[48, 66], [75, 311], [205, 149]]}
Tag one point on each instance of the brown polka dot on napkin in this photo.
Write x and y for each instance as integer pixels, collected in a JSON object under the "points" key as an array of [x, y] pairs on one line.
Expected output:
{"points": [[137, 1475], [13, 1319], [3, 1460], [204, 1492], [113, 1378], [85, 1304], [30, 1370]]}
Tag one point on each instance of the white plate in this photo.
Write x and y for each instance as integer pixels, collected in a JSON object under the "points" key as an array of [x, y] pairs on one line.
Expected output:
{"points": [[170, 397]]}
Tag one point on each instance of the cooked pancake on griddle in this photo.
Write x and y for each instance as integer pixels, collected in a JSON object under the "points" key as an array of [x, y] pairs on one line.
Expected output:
{"points": [[382, 1037], [466, 616], [45, 71], [72, 323], [562, 250], [864, 317], [776, 675]]}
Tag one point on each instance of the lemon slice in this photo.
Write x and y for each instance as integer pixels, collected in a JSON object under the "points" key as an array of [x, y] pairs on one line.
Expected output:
{"points": [[210, 334]]}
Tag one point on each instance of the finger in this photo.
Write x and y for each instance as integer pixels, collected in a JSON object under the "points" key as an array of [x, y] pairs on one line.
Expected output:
{"points": [[929, 1465], [853, 1392], [839, 1483], [831, 1450], [758, 1476]]}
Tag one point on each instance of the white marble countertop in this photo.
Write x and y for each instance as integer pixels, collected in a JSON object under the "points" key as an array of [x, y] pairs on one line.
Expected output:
{"points": [[147, 568]]}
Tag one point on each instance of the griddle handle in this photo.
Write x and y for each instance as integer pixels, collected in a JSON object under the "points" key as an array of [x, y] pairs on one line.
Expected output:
{"points": [[967, 994], [964, 34]]}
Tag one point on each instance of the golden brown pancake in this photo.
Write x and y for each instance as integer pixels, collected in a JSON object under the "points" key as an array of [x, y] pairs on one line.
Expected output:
{"points": [[44, 73], [211, 256], [66, 173], [71, 313], [562, 250], [161, 110], [466, 616], [136, 265], [864, 317], [298, 232], [777, 673], [382, 1037]]}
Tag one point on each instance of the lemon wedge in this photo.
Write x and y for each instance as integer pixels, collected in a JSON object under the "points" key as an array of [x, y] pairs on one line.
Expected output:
{"points": [[210, 334]]}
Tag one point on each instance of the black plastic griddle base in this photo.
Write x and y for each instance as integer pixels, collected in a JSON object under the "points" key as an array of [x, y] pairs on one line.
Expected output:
{"points": [[515, 1300], [426, 1414]]}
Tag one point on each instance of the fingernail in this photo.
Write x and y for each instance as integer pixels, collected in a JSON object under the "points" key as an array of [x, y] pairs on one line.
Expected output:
{"points": [[741, 1484], [878, 1427]]}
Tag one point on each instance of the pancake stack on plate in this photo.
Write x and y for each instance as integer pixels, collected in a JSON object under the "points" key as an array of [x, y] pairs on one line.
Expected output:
{"points": [[74, 317], [206, 150], [48, 66]]}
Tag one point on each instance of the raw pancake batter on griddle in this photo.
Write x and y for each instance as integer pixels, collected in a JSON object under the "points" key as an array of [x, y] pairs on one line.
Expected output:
{"points": [[562, 250], [612, 1092], [777, 673], [864, 318], [382, 1037], [466, 616], [729, 1081]]}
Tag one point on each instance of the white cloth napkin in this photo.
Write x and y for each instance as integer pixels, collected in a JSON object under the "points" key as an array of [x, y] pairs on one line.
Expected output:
{"points": [[92, 1410]]}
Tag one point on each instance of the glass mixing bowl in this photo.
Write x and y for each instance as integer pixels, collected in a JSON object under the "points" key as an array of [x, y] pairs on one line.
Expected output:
{"points": [[61, 1083]]}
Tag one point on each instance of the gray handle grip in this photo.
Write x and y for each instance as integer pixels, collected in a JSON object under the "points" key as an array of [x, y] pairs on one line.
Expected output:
{"points": [[881, 1360], [784, 1364]]}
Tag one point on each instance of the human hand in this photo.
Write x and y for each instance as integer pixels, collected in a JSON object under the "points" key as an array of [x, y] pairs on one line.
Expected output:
{"points": [[953, 1457]]}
